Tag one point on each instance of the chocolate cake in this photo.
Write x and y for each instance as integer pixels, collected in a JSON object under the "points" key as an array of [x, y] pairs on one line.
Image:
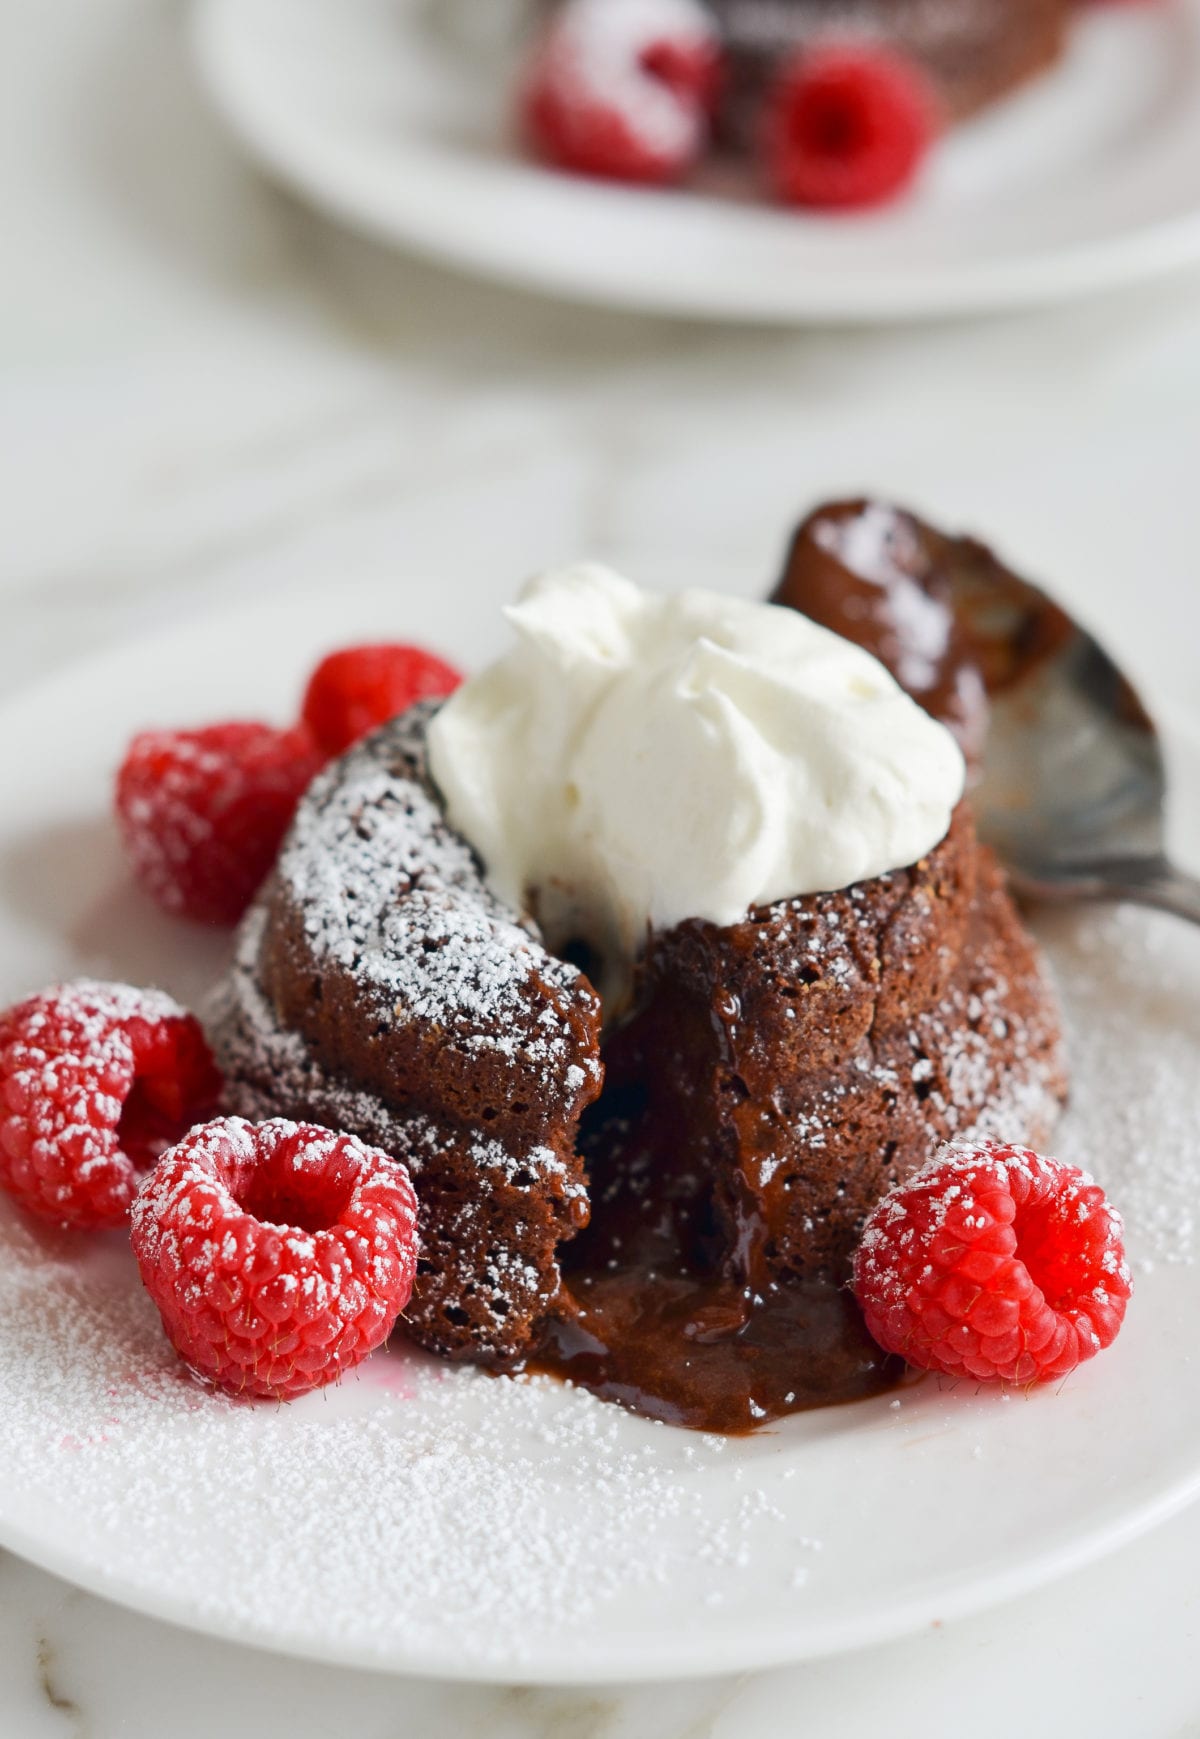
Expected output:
{"points": [[380, 988], [805, 1059], [773, 1078], [974, 51]]}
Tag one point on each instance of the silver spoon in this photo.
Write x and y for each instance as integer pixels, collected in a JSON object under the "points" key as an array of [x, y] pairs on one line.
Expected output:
{"points": [[1074, 782]]}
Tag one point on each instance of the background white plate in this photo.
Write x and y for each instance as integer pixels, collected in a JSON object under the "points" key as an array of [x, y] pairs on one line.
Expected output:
{"points": [[436, 1520], [1086, 179]]}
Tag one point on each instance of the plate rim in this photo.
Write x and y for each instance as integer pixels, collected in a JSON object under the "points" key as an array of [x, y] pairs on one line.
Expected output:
{"points": [[925, 1609]]}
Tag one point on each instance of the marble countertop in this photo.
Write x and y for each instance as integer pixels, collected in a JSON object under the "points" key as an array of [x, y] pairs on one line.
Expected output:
{"points": [[208, 393]]}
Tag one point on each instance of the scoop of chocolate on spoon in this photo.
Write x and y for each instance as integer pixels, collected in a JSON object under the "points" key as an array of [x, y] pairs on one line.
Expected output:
{"points": [[1070, 780]]}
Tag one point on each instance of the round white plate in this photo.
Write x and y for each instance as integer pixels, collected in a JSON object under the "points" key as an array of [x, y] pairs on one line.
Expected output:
{"points": [[374, 109], [436, 1520]]}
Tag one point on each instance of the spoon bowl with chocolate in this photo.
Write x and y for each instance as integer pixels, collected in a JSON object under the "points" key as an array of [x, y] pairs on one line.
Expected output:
{"points": [[1071, 780]]}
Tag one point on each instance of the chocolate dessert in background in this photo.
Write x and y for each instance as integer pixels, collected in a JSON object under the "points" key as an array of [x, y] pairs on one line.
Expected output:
{"points": [[820, 105]]}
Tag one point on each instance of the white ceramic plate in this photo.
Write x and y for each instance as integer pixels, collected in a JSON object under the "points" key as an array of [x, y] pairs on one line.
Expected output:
{"points": [[1089, 178], [440, 1521]]}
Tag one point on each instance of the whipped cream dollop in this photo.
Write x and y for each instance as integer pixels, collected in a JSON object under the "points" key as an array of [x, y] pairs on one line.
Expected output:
{"points": [[637, 759]]}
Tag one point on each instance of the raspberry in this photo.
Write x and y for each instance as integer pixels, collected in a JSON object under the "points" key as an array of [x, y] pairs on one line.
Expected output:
{"points": [[847, 126], [203, 812], [353, 691], [279, 1254], [623, 88], [994, 1263], [95, 1080]]}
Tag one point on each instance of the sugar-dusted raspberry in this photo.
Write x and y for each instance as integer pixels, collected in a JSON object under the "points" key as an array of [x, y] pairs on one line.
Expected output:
{"points": [[279, 1254], [994, 1263], [847, 125], [95, 1080], [354, 690], [203, 812], [623, 88]]}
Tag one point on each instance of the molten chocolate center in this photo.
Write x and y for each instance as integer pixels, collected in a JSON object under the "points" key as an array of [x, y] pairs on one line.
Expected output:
{"points": [[674, 1308], [663, 1325]]}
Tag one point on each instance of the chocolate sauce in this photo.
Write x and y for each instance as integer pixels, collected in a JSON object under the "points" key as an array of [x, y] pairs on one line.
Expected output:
{"points": [[659, 1314], [674, 1346]]}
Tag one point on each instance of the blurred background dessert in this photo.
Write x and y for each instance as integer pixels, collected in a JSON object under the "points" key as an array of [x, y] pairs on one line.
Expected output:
{"points": [[827, 103]]}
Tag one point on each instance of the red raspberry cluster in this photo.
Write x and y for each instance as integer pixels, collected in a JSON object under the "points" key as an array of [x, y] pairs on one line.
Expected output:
{"points": [[279, 1256], [627, 89], [203, 812]]}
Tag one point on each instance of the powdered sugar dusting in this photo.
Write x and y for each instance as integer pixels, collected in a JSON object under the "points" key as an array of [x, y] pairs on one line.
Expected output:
{"points": [[268, 1064], [409, 1506], [1131, 986], [387, 892], [97, 1004]]}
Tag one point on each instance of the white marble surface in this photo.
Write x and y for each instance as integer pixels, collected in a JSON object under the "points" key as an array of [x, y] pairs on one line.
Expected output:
{"points": [[205, 392]]}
